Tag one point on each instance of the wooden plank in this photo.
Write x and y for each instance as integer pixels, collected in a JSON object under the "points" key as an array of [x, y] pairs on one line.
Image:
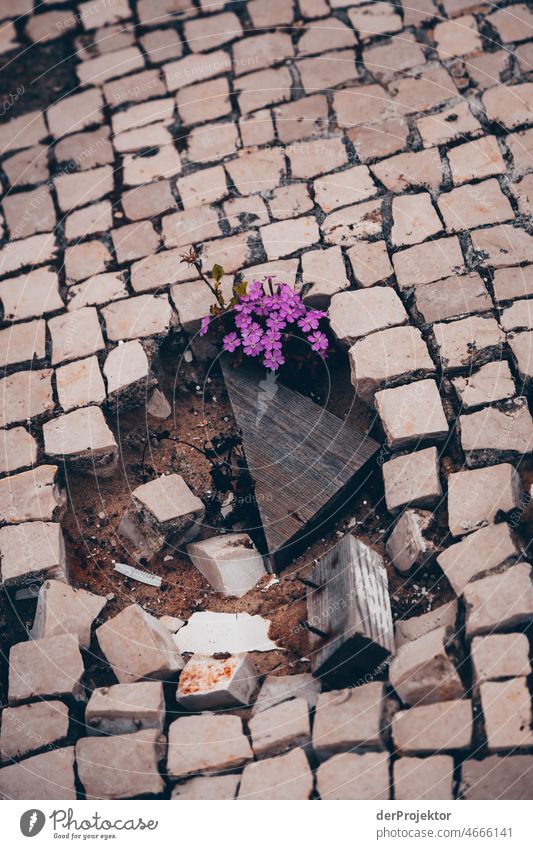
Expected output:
{"points": [[349, 613], [301, 457]]}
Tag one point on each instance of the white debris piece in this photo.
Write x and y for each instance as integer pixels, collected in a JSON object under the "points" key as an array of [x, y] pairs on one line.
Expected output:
{"points": [[209, 633], [230, 562], [138, 574], [208, 683]]}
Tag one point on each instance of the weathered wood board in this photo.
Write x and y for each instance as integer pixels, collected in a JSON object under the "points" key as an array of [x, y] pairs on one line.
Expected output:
{"points": [[302, 458], [349, 613]]}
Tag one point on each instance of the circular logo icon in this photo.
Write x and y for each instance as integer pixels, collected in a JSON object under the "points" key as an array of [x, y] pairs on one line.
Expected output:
{"points": [[32, 822]]}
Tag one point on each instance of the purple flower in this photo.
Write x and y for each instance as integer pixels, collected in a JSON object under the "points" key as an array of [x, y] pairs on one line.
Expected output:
{"points": [[319, 341], [252, 347], [275, 322], [273, 360], [205, 325], [308, 322], [272, 341], [231, 341]]}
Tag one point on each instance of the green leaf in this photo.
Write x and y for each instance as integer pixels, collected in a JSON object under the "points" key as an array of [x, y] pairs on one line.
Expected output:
{"points": [[239, 289], [217, 273]]}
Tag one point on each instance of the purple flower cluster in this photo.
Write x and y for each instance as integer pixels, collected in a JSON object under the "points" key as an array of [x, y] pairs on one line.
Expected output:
{"points": [[263, 320]]}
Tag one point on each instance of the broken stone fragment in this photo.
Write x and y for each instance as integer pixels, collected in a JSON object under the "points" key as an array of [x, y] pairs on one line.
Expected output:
{"points": [[428, 729], [500, 602], [521, 345], [83, 439], [207, 683], [129, 380], [281, 688], [280, 728], [218, 744], [28, 728], [349, 718], [497, 778], [32, 496], [48, 776], [32, 551], [137, 646], [172, 623], [424, 778], [354, 776], [500, 656], [492, 382], [477, 554], [493, 435], [467, 342], [61, 609], [358, 313], [158, 406], [209, 632], [507, 713], [407, 546], [212, 787], [287, 777], [126, 708], [412, 480], [411, 414], [407, 630], [121, 767], [49, 668], [422, 671], [476, 497], [164, 511], [230, 562]]}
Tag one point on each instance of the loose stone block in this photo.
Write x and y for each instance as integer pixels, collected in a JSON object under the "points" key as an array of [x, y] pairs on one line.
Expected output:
{"points": [[61, 609], [219, 744], [412, 479], [414, 219], [121, 767], [216, 787], [441, 727], [497, 778], [23, 343], [346, 719], [467, 342], [500, 656], [137, 646], [80, 383], [18, 449], [478, 553], [287, 777], [32, 551], [326, 274], [407, 546], [31, 496], [164, 511], [355, 314], [424, 778], [351, 776], [521, 345], [136, 318], [349, 612], [281, 688], [28, 728], [428, 262], [492, 382], [75, 335], [126, 708], [423, 672], [207, 683], [407, 630], [128, 375], [83, 439], [452, 297], [47, 776], [411, 413], [370, 263], [495, 434], [477, 496], [277, 729], [387, 357], [229, 562], [44, 669], [506, 709], [499, 602]]}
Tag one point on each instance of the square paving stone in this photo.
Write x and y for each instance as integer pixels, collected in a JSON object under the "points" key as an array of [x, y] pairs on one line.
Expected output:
{"points": [[209, 683], [215, 787], [424, 778], [468, 342], [347, 719], [31, 295], [28, 728], [492, 382], [126, 708], [61, 609], [206, 744], [83, 438], [23, 343], [410, 629], [80, 383], [411, 413], [30, 212], [75, 335], [287, 777], [423, 671], [500, 656], [414, 219], [280, 728], [496, 434], [355, 314], [47, 668], [507, 713], [428, 729], [18, 449], [478, 553], [354, 776], [121, 767], [497, 778], [47, 776], [476, 159], [477, 496], [31, 496], [472, 206], [428, 262], [135, 318], [452, 297], [500, 602], [407, 546], [412, 479]]}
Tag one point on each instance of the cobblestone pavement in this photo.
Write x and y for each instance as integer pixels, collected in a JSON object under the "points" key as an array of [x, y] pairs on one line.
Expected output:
{"points": [[379, 155]]}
